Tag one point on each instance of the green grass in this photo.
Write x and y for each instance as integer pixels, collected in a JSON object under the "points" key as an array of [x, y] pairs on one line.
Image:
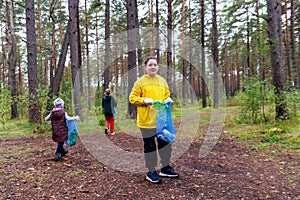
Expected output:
{"points": [[277, 136], [77, 173], [22, 128]]}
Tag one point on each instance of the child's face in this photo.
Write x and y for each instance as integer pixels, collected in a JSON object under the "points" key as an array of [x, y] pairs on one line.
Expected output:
{"points": [[152, 67]]}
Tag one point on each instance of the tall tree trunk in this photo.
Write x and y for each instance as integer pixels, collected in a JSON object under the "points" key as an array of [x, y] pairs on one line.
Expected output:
{"points": [[141, 69], [55, 86], [215, 55], [116, 60], [107, 45], [34, 110], [237, 67], [97, 53], [169, 49], [203, 66], [41, 76], [131, 6], [249, 66], [12, 60], [75, 52], [157, 30], [20, 85], [61, 33], [151, 21], [2, 56], [287, 45], [89, 93], [275, 38], [53, 49], [293, 48], [226, 71], [190, 54], [183, 56], [298, 75], [258, 38], [59, 72], [263, 63]]}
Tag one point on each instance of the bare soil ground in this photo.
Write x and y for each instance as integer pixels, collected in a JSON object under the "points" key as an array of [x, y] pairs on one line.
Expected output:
{"points": [[231, 171]]}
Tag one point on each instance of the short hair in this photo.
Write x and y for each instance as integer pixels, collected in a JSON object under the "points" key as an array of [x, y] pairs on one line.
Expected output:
{"points": [[107, 91], [149, 58]]}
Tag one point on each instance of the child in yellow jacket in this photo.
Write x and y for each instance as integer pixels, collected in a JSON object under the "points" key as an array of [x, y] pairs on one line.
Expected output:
{"points": [[152, 87]]}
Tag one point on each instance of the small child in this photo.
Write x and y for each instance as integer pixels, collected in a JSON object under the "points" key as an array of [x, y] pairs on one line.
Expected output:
{"points": [[58, 117]]}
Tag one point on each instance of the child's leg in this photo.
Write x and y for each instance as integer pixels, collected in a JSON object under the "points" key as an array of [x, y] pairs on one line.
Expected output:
{"points": [[112, 124], [59, 151], [106, 122], [60, 147], [149, 148]]}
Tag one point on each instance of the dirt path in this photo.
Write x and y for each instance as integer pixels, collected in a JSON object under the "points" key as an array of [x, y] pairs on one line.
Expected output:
{"points": [[231, 171]]}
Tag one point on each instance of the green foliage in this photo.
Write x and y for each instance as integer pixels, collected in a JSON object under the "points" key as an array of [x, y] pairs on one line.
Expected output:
{"points": [[66, 92], [5, 102], [293, 100], [23, 105], [256, 102], [98, 105], [43, 100]]}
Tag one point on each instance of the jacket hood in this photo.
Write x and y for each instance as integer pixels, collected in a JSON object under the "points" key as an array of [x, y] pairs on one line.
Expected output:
{"points": [[57, 114]]}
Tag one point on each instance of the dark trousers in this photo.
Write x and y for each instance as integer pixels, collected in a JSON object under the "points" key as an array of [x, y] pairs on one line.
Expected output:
{"points": [[150, 150], [60, 147]]}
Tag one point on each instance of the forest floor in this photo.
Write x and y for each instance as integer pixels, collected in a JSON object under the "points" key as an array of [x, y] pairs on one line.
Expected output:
{"points": [[231, 171]]}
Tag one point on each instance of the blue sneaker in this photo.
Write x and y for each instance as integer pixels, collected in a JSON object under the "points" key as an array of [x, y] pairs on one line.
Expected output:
{"points": [[153, 177], [168, 171]]}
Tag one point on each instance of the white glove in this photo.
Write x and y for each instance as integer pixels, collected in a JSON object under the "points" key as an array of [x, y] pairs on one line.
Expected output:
{"points": [[148, 101], [77, 118], [168, 100]]}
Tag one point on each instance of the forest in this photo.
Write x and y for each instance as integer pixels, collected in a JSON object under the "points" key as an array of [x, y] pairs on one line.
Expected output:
{"points": [[233, 69], [207, 49]]}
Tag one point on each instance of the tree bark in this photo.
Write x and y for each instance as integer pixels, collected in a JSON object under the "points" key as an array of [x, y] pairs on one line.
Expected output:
{"points": [[203, 66], [131, 45], [75, 48], [157, 31], [275, 38], [89, 93], [293, 48], [169, 49], [34, 110], [215, 56], [107, 45], [183, 56], [287, 45], [12, 60], [61, 64]]}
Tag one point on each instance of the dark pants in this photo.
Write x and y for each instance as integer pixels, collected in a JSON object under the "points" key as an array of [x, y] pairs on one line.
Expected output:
{"points": [[60, 147], [150, 153]]}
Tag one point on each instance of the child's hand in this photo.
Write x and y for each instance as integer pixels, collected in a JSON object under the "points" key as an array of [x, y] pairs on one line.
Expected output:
{"points": [[168, 100], [148, 101], [77, 118]]}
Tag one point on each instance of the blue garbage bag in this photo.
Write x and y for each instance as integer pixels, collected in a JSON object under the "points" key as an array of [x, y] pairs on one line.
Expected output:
{"points": [[72, 132], [165, 129]]}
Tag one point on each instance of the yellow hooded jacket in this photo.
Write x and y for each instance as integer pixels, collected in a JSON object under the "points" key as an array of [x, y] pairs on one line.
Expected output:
{"points": [[155, 88]]}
